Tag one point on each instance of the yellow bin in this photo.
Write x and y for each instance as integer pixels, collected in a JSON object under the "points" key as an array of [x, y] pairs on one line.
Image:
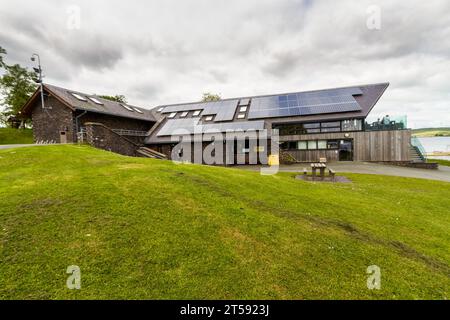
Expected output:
{"points": [[274, 160]]}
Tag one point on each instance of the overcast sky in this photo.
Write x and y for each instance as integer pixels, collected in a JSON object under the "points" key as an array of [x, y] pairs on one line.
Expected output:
{"points": [[160, 52]]}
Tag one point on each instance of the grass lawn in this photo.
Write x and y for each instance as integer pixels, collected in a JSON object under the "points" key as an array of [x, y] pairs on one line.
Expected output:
{"points": [[151, 229], [441, 162], [15, 136]]}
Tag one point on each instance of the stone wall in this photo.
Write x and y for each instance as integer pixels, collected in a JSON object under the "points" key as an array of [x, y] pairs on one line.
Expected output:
{"points": [[100, 136], [48, 123]]}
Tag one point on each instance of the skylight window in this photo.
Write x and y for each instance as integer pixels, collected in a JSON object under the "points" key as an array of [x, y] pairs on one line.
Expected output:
{"points": [[95, 100], [126, 107], [172, 115], [196, 113], [242, 109], [208, 118], [79, 97], [183, 114], [137, 110], [241, 116]]}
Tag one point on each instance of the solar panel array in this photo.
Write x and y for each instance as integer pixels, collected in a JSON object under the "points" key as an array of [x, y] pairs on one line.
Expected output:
{"points": [[224, 109], [305, 103], [191, 126]]}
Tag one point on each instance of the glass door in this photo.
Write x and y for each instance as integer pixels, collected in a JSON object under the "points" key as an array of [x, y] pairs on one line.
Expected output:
{"points": [[345, 150]]}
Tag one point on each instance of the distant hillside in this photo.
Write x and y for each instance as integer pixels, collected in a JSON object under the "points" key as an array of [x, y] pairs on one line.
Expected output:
{"points": [[432, 132]]}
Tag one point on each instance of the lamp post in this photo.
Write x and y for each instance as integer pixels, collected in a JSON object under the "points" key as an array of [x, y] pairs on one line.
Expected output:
{"points": [[38, 70]]}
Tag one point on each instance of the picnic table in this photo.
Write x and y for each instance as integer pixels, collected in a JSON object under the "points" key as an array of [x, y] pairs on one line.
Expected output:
{"points": [[321, 166]]}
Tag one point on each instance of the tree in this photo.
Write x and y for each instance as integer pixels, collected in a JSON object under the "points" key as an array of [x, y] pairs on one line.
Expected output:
{"points": [[118, 98], [2, 51], [17, 85], [208, 96]]}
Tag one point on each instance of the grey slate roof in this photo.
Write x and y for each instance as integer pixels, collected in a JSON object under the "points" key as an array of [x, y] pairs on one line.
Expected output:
{"points": [[363, 100], [107, 106]]}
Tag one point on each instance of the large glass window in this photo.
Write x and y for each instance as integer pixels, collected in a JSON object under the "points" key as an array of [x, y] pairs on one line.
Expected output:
{"points": [[332, 144], [352, 125], [321, 144], [312, 145], [302, 145]]}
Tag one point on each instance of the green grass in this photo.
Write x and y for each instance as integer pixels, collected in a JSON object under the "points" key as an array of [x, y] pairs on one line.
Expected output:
{"points": [[15, 136], [431, 132], [440, 161], [151, 229]]}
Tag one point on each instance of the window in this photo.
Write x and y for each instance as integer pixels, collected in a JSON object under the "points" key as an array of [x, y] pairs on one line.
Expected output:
{"points": [[95, 100], [208, 118], [126, 107], [330, 130], [330, 124], [183, 114], [137, 110], [311, 125], [312, 145], [332, 144], [196, 113], [242, 109], [352, 125], [172, 115], [241, 116], [79, 97], [302, 145], [160, 109], [322, 144]]}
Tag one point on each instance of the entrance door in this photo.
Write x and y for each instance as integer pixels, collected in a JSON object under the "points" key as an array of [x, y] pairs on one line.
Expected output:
{"points": [[62, 137], [345, 150]]}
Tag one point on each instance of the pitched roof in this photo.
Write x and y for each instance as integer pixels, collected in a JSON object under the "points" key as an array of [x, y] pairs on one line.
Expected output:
{"points": [[317, 105], [106, 106]]}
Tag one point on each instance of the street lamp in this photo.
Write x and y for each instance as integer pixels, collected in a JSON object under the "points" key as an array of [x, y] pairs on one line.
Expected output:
{"points": [[38, 70]]}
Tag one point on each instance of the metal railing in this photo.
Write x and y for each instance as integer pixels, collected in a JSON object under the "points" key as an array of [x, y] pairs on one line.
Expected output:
{"points": [[134, 133], [387, 123], [416, 144]]}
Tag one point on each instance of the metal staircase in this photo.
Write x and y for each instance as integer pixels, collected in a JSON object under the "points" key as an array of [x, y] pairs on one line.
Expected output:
{"points": [[417, 151]]}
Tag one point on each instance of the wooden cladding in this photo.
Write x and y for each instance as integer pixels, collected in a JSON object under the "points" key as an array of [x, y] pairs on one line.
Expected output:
{"points": [[367, 145]]}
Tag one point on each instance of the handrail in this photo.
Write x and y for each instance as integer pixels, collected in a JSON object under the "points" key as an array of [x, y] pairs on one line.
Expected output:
{"points": [[135, 133], [415, 142]]}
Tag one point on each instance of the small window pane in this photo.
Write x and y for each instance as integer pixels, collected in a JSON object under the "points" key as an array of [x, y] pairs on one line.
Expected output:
{"points": [[242, 109], [302, 145], [332, 144], [312, 145], [311, 125], [322, 144], [196, 113], [172, 115], [183, 114], [331, 124], [241, 116]]}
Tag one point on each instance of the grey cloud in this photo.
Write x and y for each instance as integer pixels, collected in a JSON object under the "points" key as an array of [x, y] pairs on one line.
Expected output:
{"points": [[157, 52]]}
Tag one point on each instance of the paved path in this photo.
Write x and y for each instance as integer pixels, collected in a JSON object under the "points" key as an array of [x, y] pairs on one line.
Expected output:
{"points": [[10, 146], [442, 174]]}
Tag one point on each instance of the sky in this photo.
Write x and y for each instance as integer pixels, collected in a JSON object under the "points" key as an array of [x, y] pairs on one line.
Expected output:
{"points": [[163, 51]]}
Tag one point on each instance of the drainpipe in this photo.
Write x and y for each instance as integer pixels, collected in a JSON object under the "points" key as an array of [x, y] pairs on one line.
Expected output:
{"points": [[76, 121]]}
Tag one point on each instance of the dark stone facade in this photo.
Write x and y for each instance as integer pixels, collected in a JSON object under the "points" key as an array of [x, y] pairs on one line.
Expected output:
{"points": [[101, 137], [57, 121], [48, 123]]}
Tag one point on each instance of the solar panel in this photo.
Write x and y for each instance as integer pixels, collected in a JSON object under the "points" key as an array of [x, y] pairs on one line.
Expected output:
{"points": [[223, 109], [191, 126], [305, 103]]}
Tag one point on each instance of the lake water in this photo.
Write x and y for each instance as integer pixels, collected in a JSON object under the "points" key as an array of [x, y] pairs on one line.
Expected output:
{"points": [[433, 144]]}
